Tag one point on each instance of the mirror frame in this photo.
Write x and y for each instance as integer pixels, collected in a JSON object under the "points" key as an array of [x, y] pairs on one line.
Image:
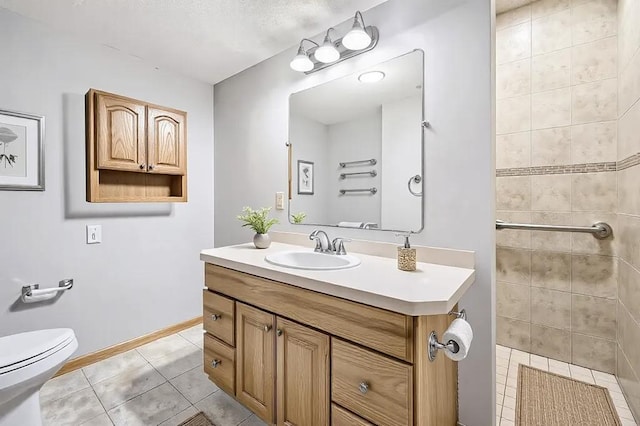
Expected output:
{"points": [[423, 126]]}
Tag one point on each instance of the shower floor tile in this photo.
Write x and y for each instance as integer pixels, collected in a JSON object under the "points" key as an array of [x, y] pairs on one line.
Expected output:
{"points": [[506, 389]]}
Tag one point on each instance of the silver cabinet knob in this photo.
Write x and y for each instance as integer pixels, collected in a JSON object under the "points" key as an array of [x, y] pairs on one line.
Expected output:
{"points": [[142, 166], [364, 387], [216, 317], [215, 363], [279, 332], [267, 328], [150, 166]]}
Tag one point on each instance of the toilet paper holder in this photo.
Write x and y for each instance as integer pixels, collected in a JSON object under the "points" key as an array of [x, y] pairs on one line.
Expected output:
{"points": [[433, 345]]}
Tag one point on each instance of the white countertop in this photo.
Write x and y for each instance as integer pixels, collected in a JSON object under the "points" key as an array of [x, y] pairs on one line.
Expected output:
{"points": [[430, 290]]}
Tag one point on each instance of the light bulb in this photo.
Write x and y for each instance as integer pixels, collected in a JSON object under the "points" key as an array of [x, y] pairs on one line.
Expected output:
{"points": [[357, 38], [301, 63], [327, 53], [371, 77]]}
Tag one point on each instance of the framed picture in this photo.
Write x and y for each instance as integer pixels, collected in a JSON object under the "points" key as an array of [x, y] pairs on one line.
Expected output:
{"points": [[21, 151], [305, 177]]}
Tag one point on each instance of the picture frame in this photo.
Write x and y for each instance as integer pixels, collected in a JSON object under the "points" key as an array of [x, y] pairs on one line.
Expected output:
{"points": [[21, 151], [305, 177]]}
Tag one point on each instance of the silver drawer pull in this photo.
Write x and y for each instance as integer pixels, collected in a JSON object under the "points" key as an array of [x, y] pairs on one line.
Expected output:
{"points": [[267, 328], [364, 387], [279, 332], [216, 317], [215, 363]]}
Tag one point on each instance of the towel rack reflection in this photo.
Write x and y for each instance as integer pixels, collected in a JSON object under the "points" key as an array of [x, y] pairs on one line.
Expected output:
{"points": [[348, 191], [414, 179], [373, 162], [372, 173], [600, 230]]}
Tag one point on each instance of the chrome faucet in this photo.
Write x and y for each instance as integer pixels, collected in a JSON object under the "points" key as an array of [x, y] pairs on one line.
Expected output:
{"points": [[323, 245]]}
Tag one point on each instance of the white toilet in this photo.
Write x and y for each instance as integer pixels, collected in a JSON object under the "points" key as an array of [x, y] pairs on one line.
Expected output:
{"points": [[27, 361]]}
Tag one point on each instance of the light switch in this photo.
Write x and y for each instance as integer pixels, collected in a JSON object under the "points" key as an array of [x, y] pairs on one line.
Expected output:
{"points": [[94, 234], [279, 200]]}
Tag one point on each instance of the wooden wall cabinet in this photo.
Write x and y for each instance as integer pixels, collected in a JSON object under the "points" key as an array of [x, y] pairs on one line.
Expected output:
{"points": [[303, 358], [136, 151]]}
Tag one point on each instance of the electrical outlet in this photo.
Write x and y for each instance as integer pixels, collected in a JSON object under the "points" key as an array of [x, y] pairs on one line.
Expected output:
{"points": [[94, 234], [279, 200]]}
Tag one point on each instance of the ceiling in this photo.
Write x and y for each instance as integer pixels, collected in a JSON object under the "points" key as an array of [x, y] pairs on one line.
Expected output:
{"points": [[505, 5], [208, 40], [347, 98]]}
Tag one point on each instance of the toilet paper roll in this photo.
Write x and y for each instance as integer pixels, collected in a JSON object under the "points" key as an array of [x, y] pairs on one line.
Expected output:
{"points": [[460, 332]]}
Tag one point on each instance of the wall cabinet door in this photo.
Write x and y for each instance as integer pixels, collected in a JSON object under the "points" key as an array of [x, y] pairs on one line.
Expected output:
{"points": [[166, 147], [255, 360], [120, 134], [303, 375]]}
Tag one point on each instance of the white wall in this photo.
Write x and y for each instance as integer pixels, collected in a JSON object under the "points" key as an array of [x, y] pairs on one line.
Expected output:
{"points": [[146, 274], [401, 128], [353, 140], [459, 151], [309, 143]]}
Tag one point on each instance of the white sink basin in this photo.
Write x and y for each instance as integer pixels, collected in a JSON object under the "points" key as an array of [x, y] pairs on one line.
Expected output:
{"points": [[311, 260]]}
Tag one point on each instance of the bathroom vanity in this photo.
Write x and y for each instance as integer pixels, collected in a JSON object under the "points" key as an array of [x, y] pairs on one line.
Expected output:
{"points": [[341, 347]]}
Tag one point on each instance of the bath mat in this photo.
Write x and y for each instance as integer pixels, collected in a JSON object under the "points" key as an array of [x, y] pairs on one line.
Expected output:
{"points": [[199, 419], [548, 399]]}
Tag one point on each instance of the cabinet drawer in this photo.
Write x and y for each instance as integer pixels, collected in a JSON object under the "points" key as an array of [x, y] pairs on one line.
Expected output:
{"points": [[342, 417], [218, 316], [375, 387], [220, 364], [385, 331]]}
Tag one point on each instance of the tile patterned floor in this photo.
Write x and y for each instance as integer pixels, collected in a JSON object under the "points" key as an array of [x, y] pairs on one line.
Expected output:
{"points": [[507, 361], [160, 383]]}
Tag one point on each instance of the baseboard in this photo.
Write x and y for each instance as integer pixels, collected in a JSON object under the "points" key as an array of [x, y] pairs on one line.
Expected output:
{"points": [[84, 360]]}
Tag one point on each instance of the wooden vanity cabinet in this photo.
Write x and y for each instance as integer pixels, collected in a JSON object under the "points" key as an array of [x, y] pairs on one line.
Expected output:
{"points": [[308, 359], [255, 365], [303, 378], [136, 151]]}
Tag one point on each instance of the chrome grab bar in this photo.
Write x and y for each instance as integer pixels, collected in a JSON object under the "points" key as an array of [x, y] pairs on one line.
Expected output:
{"points": [[346, 191], [600, 230], [372, 173], [373, 162], [33, 293]]}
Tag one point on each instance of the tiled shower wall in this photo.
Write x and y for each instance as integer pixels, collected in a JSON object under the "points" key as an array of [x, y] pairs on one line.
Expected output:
{"points": [[628, 369], [556, 159]]}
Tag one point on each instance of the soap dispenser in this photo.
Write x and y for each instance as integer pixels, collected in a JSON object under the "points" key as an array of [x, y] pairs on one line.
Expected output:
{"points": [[406, 255]]}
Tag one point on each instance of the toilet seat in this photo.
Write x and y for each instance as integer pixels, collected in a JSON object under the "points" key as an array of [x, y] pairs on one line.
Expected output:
{"points": [[20, 350]]}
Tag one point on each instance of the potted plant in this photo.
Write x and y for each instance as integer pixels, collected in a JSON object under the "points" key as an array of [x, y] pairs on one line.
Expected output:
{"points": [[258, 221], [298, 217]]}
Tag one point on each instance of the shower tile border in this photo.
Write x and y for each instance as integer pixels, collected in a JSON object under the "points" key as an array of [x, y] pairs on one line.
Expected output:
{"points": [[609, 166]]}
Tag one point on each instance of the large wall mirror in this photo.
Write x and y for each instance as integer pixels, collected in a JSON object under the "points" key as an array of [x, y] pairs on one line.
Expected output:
{"points": [[356, 151]]}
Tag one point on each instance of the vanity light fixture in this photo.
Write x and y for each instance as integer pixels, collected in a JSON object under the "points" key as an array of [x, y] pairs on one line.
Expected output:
{"points": [[358, 40], [327, 53], [371, 77], [301, 62]]}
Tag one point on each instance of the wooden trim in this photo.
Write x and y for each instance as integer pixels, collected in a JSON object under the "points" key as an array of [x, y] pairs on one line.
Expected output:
{"points": [[84, 360]]}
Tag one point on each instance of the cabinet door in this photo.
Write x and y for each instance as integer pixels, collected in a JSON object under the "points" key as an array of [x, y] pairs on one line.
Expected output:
{"points": [[303, 375], [255, 360], [120, 134], [167, 142]]}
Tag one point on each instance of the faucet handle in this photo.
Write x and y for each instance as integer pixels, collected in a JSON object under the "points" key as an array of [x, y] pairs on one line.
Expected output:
{"points": [[338, 245]]}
